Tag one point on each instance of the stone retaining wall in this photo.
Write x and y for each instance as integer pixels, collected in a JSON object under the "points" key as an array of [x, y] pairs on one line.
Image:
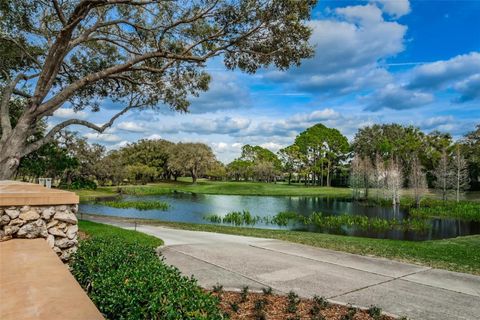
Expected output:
{"points": [[57, 224]]}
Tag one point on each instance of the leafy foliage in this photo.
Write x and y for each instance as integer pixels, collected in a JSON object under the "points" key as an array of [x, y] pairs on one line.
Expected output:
{"points": [[127, 280], [463, 210], [139, 54]]}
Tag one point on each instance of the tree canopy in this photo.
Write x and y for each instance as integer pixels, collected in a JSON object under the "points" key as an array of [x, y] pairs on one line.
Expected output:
{"points": [[137, 53]]}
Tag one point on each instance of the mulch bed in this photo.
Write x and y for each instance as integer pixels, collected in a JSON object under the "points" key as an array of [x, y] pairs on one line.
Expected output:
{"points": [[276, 307]]}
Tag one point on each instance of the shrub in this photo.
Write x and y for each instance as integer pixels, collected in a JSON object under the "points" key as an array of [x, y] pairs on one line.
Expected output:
{"points": [[293, 301], [375, 312], [244, 294], [127, 280], [234, 307], [218, 288], [321, 302], [80, 183], [267, 291]]}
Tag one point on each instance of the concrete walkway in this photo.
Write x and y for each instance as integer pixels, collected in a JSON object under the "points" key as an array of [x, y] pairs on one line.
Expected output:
{"points": [[399, 288]]}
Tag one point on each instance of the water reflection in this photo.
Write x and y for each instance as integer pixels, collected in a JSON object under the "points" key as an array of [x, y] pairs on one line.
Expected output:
{"points": [[186, 207]]}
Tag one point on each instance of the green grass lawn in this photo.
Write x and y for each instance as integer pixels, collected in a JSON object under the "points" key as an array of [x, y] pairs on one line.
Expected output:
{"points": [[217, 187], [100, 230], [460, 254], [90, 195], [231, 188]]}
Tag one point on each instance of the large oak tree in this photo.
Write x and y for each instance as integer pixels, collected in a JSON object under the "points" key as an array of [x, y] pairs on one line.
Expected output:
{"points": [[138, 53]]}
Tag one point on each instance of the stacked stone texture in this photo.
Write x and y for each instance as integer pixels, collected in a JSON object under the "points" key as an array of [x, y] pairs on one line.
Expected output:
{"points": [[56, 224]]}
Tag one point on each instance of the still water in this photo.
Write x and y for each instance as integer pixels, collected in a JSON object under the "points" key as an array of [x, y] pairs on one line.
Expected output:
{"points": [[188, 207]]}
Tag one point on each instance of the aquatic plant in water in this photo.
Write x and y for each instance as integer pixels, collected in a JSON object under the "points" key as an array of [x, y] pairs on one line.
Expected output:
{"points": [[326, 222], [463, 210], [237, 218], [139, 205], [366, 224], [284, 218]]}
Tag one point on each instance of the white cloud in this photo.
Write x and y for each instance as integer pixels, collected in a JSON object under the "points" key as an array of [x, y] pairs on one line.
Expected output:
{"points": [[222, 147], [469, 88], [118, 145], [226, 92], [395, 8], [102, 137], [436, 122], [396, 97], [154, 137], [291, 126], [362, 38], [317, 115], [69, 113], [443, 73], [221, 125], [348, 50], [131, 126], [272, 146]]}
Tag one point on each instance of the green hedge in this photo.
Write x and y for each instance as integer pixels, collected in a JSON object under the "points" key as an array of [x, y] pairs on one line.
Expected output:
{"points": [[127, 280]]}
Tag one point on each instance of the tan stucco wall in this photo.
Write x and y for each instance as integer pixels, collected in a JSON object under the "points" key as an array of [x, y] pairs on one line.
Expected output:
{"points": [[15, 193], [35, 284]]}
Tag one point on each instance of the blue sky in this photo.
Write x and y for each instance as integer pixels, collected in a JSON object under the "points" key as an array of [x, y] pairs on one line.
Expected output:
{"points": [[380, 61]]}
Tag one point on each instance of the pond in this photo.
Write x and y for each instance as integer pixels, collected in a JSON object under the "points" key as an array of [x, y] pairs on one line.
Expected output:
{"points": [[196, 208]]}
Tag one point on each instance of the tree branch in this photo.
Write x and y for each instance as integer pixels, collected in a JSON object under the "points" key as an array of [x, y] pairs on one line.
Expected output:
{"points": [[186, 20], [21, 93], [62, 125], [56, 101], [4, 106], [59, 12], [112, 41]]}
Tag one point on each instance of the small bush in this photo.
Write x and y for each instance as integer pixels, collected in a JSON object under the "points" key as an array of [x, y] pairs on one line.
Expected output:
{"points": [[234, 307], [244, 295], [350, 314], [260, 304], [267, 291], [80, 183], [218, 288], [293, 301], [321, 302], [127, 280], [375, 312]]}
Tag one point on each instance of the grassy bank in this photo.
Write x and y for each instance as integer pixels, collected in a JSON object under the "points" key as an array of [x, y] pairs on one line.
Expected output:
{"points": [[460, 254], [236, 188], [216, 187], [91, 195], [100, 230]]}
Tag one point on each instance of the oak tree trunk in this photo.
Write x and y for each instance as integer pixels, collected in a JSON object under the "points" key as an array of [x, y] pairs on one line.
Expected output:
{"points": [[12, 148]]}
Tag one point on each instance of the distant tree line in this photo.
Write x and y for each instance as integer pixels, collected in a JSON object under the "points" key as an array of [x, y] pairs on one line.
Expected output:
{"points": [[386, 158], [389, 157]]}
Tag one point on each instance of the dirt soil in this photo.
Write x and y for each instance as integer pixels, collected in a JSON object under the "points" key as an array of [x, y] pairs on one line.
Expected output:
{"points": [[82, 235], [259, 306]]}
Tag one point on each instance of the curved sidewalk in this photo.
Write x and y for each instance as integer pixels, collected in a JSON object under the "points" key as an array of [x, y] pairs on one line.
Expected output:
{"points": [[403, 289]]}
